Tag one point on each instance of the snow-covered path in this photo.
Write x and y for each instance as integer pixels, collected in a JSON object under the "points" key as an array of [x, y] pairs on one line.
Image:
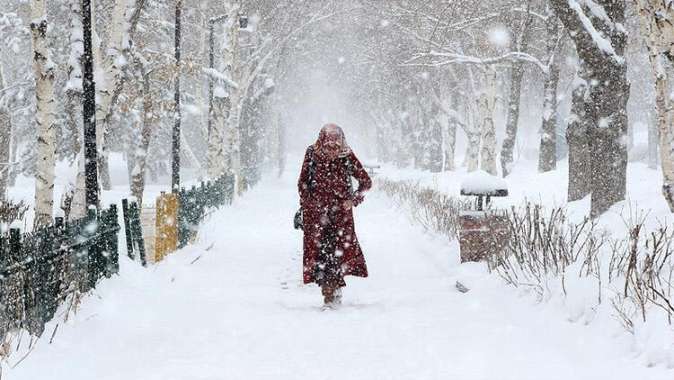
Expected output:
{"points": [[232, 307]]}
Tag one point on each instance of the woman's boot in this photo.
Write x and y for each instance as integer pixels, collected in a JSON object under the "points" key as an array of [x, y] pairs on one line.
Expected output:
{"points": [[337, 294], [328, 296]]}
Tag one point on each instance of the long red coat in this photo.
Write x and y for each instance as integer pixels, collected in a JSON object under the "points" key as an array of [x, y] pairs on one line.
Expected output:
{"points": [[329, 192]]}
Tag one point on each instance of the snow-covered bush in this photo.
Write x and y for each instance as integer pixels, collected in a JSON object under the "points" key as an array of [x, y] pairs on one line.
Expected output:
{"points": [[586, 269], [432, 209], [542, 248]]}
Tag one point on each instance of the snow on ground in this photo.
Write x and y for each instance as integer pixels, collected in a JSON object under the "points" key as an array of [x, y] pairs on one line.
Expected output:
{"points": [[233, 307]]}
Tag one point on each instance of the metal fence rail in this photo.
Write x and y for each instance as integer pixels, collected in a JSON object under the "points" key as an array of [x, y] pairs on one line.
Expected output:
{"points": [[39, 269], [194, 203]]}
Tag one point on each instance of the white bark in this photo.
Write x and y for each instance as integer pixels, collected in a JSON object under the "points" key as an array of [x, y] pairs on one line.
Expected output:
{"points": [[472, 129], [5, 143], [110, 79], [73, 88], [235, 72], [449, 134], [486, 104], [78, 207], [74, 99], [216, 144], [43, 69], [656, 25]]}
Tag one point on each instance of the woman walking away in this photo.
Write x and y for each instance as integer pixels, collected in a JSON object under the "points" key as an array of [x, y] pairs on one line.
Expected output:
{"points": [[331, 249]]}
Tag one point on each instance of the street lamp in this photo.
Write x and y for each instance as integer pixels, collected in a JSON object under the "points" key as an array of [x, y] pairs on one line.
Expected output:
{"points": [[175, 149], [89, 111], [243, 21]]}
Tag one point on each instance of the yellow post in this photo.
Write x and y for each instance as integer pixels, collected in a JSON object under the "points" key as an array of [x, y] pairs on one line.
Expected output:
{"points": [[167, 226]]}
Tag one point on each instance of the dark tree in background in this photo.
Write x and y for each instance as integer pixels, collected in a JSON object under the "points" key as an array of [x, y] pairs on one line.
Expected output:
{"points": [[601, 45], [579, 145]]}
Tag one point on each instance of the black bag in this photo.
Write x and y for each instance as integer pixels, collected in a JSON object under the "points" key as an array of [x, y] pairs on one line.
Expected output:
{"points": [[299, 220]]}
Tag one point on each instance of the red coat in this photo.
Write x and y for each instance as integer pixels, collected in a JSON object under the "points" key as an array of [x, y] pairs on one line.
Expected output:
{"points": [[329, 191]]}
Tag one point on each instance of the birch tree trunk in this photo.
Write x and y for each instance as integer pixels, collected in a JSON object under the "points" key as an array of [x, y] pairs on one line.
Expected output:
{"points": [[472, 127], [217, 164], [653, 143], [73, 88], [13, 172], [74, 99], [43, 68], [666, 135], [512, 119], [547, 154], [5, 143], [140, 155], [656, 25], [486, 104], [112, 63], [235, 71], [472, 160], [449, 138]]}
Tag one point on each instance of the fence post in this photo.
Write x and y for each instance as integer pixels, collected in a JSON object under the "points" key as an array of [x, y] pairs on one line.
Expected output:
{"points": [[137, 232], [168, 229], [93, 246], [19, 280], [183, 218], [127, 229], [110, 231]]}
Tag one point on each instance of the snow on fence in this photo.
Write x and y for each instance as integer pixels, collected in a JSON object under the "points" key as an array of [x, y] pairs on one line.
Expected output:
{"points": [[39, 269]]}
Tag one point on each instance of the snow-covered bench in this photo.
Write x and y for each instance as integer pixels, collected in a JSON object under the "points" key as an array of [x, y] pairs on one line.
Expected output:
{"points": [[482, 184]]}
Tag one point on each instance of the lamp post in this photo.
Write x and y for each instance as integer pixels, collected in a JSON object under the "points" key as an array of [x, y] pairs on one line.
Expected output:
{"points": [[175, 149], [88, 111]]}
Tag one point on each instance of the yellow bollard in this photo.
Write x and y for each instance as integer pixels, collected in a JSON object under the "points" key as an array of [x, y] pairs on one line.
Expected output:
{"points": [[167, 226]]}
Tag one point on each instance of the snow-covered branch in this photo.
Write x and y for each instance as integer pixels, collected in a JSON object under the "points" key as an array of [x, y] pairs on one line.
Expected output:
{"points": [[219, 77], [453, 58]]}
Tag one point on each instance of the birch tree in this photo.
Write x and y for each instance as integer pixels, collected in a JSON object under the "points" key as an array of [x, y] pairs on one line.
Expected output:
{"points": [[5, 140], [486, 104], [516, 74], [44, 70], [149, 121], [125, 16], [234, 72], [656, 21]]}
